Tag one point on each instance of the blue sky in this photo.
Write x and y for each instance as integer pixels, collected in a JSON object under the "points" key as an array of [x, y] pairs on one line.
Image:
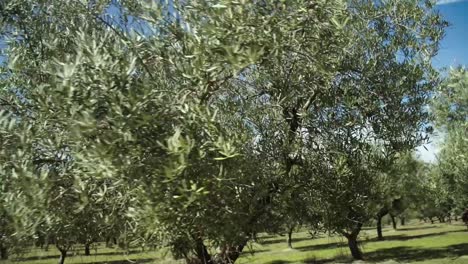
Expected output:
{"points": [[453, 52]]}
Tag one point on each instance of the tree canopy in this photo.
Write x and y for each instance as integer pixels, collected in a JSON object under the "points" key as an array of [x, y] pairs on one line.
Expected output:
{"points": [[196, 133]]}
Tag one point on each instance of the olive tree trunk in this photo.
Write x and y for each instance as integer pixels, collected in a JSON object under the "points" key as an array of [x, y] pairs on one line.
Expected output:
{"points": [[354, 248], [202, 254], [289, 239], [380, 215], [87, 251], [63, 255], [3, 252], [227, 254], [393, 222], [379, 229], [353, 243], [46, 242]]}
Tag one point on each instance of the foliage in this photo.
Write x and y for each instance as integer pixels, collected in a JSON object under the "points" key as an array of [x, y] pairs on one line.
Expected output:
{"points": [[451, 111], [198, 132]]}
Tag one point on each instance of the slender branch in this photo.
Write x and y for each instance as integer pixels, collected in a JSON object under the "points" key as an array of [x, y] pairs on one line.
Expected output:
{"points": [[118, 33]]}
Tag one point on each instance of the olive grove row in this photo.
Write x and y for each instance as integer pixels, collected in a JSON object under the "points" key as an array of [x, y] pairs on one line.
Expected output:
{"points": [[195, 125]]}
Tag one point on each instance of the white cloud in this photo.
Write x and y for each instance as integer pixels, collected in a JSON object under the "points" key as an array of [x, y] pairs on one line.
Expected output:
{"points": [[446, 2]]}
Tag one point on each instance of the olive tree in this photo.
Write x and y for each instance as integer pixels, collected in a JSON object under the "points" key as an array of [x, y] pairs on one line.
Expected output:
{"points": [[199, 130], [364, 101], [450, 109], [403, 188], [116, 109]]}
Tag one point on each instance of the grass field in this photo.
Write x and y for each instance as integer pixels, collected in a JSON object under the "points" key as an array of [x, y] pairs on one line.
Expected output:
{"points": [[415, 243]]}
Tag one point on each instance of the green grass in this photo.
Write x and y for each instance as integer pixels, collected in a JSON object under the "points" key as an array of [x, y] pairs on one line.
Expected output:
{"points": [[415, 243]]}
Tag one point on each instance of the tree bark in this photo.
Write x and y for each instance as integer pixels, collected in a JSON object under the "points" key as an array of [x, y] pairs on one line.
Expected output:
{"points": [[229, 255], [354, 248], [353, 243], [290, 231], [402, 220], [3, 252], [202, 254], [110, 242], [383, 211], [46, 242], [379, 228], [393, 222], [87, 252], [63, 255]]}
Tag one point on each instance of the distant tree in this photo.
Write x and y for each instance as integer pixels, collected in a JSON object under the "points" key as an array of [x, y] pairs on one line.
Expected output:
{"points": [[465, 217], [403, 188], [368, 135], [450, 107]]}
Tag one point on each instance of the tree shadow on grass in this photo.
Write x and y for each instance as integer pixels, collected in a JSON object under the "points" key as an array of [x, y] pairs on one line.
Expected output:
{"points": [[254, 251], [113, 253], [21, 259], [283, 240], [75, 254], [321, 246], [399, 254], [416, 228], [406, 254], [266, 236], [126, 261], [404, 237], [279, 262], [386, 238], [308, 261]]}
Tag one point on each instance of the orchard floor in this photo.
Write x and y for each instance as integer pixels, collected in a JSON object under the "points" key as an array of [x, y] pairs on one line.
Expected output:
{"points": [[414, 243]]}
